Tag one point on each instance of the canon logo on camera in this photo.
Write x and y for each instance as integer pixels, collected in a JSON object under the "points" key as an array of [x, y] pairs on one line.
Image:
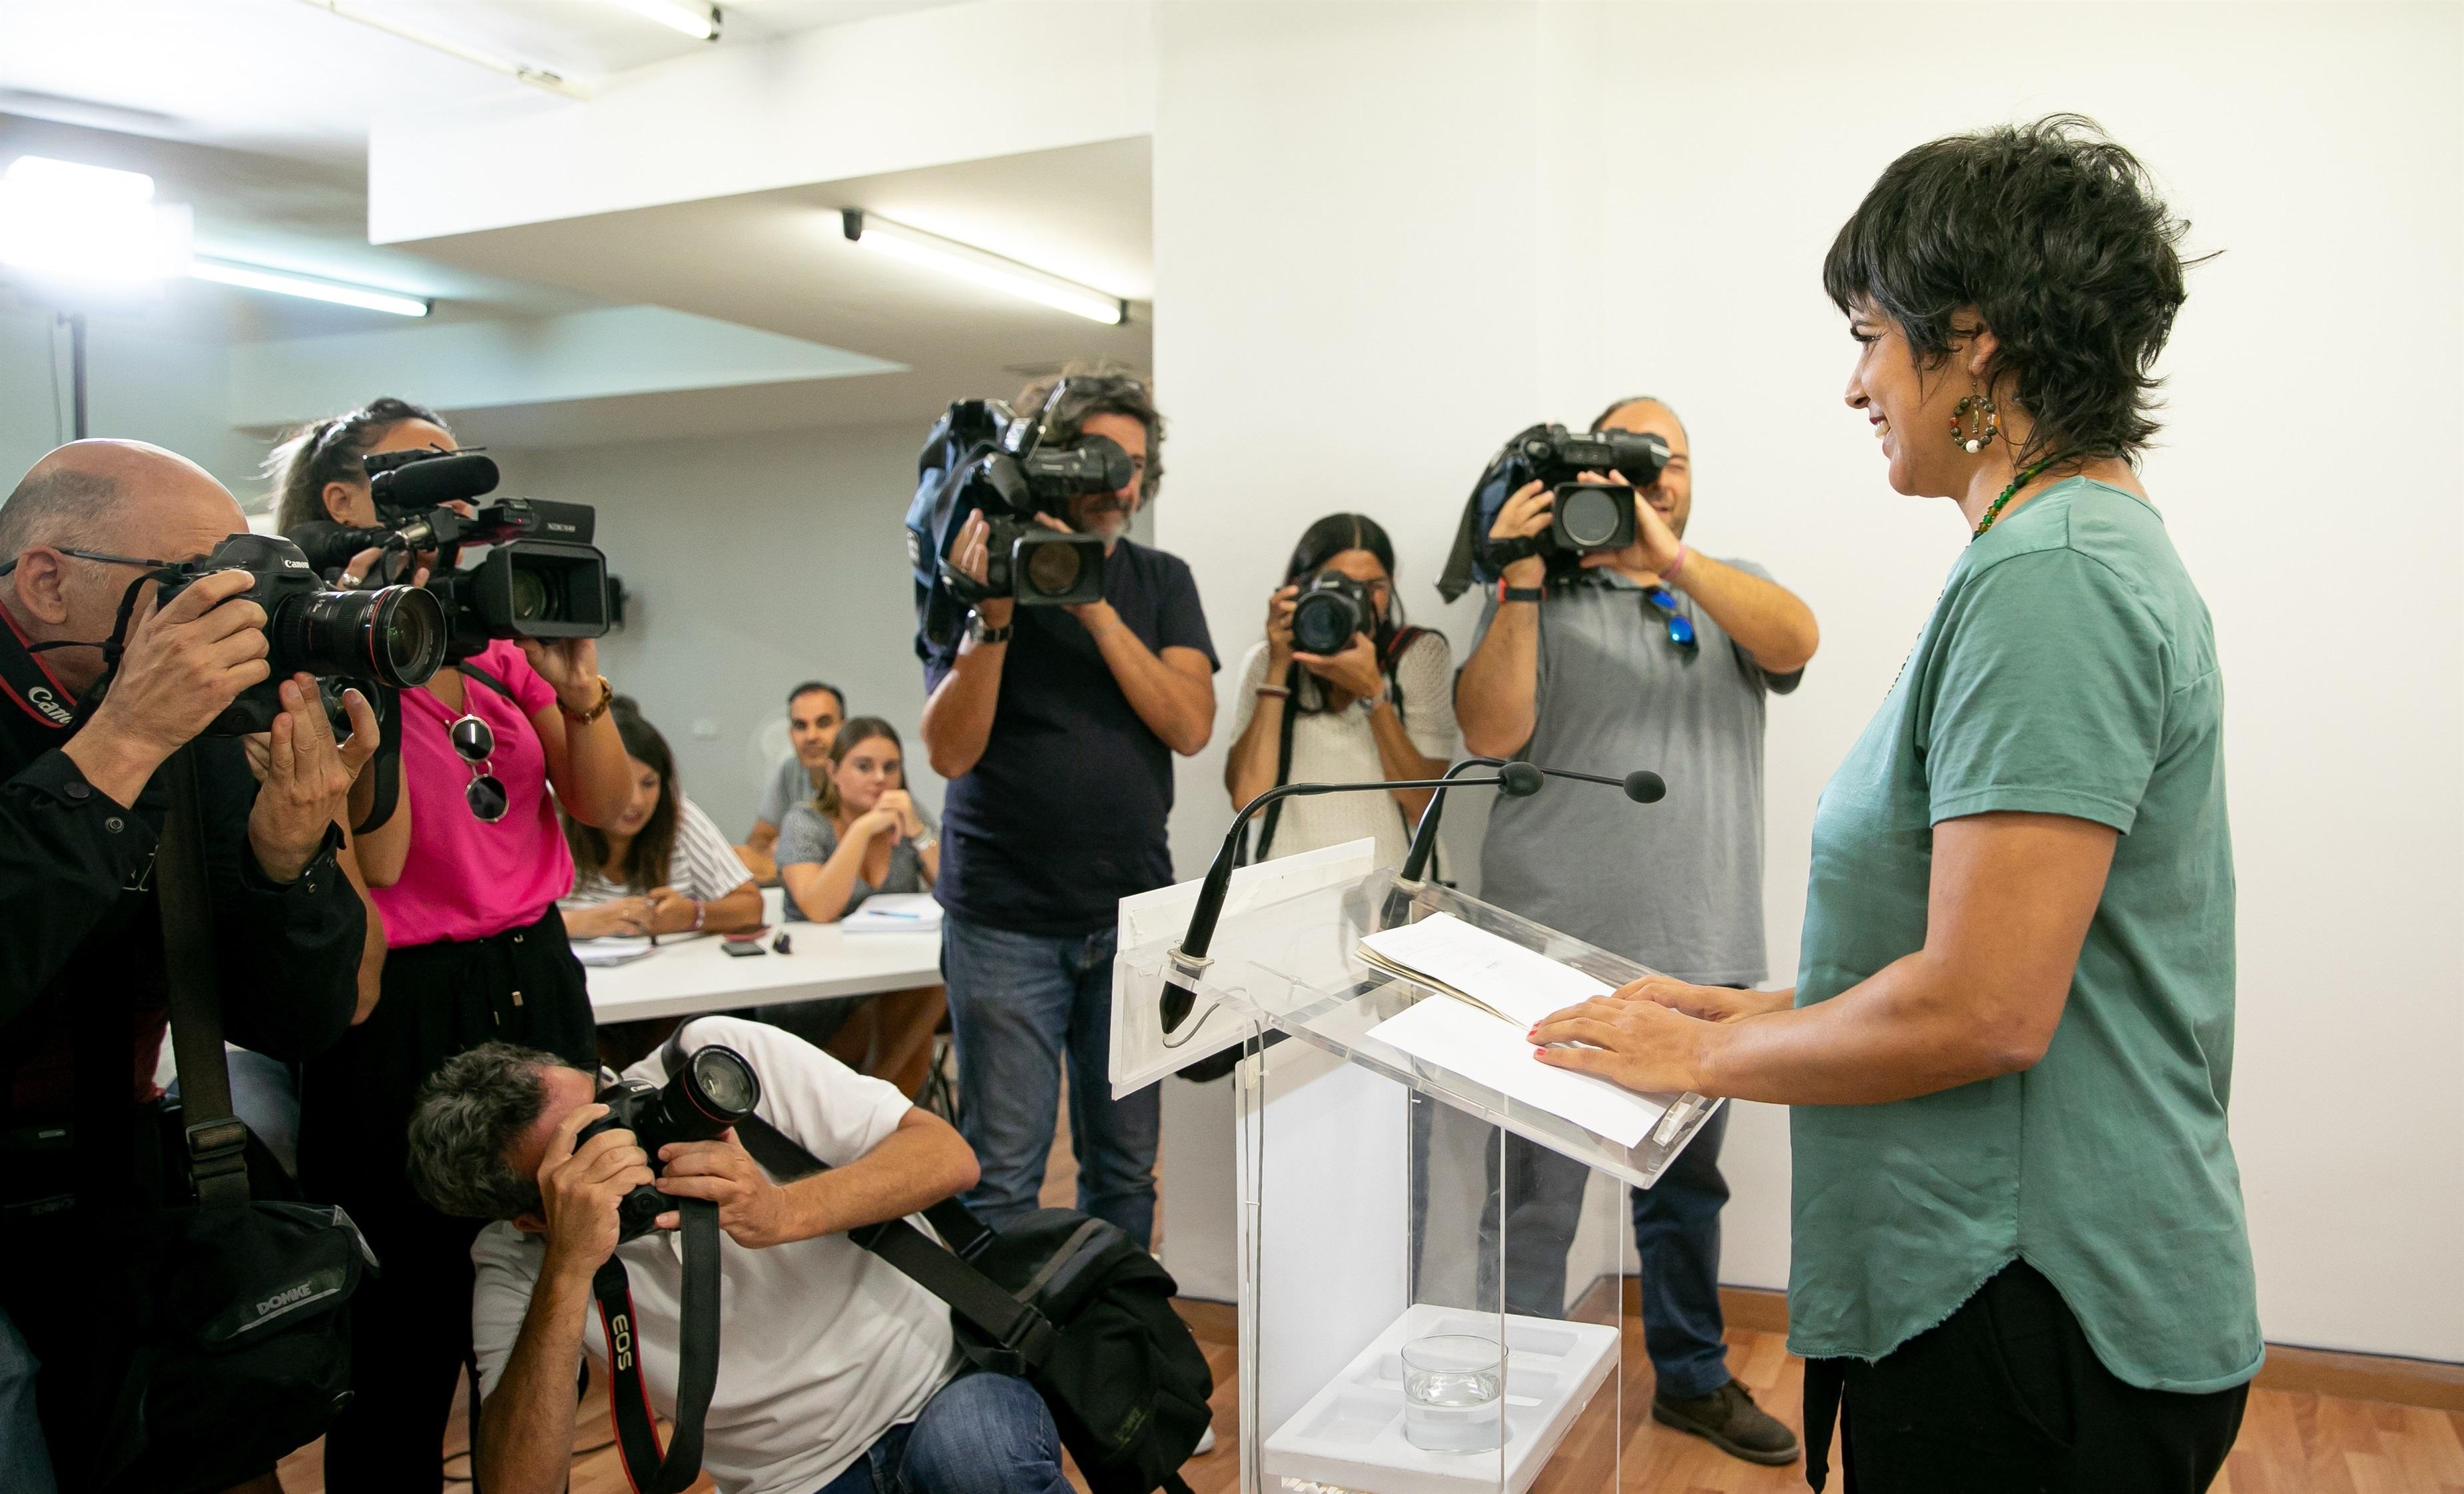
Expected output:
{"points": [[45, 702]]}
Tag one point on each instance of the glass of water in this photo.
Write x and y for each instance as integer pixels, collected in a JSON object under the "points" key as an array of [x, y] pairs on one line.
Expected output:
{"points": [[1451, 1387]]}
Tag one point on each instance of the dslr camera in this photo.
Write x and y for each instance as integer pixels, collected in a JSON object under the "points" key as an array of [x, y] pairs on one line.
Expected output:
{"points": [[1584, 518], [1331, 607], [715, 1090], [984, 457], [382, 641], [541, 577]]}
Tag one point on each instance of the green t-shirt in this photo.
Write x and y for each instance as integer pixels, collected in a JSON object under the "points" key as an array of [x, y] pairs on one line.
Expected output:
{"points": [[2069, 668]]}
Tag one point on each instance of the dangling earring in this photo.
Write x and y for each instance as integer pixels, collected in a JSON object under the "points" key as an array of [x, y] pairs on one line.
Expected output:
{"points": [[1971, 435]]}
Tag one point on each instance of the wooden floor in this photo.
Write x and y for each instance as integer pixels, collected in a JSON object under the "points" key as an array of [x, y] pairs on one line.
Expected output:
{"points": [[2291, 1442]]}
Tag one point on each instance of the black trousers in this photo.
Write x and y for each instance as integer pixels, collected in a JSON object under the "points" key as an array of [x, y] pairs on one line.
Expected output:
{"points": [[410, 1326], [2005, 1397]]}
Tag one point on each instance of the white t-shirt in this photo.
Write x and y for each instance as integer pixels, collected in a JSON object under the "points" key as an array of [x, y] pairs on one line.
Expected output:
{"points": [[824, 1346], [1339, 747], [703, 864]]}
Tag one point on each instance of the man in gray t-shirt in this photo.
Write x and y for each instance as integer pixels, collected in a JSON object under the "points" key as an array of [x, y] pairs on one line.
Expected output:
{"points": [[814, 711], [1650, 657]]}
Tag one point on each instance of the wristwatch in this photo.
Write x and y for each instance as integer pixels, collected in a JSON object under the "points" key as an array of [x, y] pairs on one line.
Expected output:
{"points": [[1368, 704], [983, 632], [607, 698]]}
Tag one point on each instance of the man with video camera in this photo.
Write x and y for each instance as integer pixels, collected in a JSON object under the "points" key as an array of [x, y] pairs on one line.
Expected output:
{"points": [[834, 1371], [90, 1159], [1055, 726], [1646, 656]]}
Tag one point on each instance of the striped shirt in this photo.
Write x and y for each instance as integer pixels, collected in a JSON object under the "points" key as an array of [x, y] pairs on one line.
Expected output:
{"points": [[703, 864]]}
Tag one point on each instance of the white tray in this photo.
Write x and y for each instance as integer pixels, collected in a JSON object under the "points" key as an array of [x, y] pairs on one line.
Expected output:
{"points": [[1350, 1433]]}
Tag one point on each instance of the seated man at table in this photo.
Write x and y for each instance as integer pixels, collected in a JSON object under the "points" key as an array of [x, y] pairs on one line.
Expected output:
{"points": [[814, 711], [836, 1372]]}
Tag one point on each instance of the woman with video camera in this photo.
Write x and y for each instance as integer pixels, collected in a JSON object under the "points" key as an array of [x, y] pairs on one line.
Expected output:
{"points": [[466, 883], [861, 835], [1379, 704]]}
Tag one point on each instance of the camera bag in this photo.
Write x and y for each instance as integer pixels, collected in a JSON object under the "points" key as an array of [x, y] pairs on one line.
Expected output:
{"points": [[1061, 1299], [243, 1346]]}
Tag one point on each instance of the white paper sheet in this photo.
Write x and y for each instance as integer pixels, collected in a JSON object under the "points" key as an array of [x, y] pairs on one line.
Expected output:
{"points": [[894, 912], [614, 950], [1523, 984], [1489, 1052]]}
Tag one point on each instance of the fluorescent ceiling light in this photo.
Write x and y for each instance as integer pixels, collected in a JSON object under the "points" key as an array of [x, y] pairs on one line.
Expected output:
{"points": [[538, 77], [982, 267], [255, 277], [89, 225], [698, 21]]}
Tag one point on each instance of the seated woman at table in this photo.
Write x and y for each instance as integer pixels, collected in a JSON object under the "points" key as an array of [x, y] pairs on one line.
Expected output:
{"points": [[663, 866], [860, 835]]}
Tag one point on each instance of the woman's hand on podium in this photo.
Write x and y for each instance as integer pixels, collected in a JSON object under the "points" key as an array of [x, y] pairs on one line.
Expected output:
{"points": [[1709, 1003], [1651, 1034]]}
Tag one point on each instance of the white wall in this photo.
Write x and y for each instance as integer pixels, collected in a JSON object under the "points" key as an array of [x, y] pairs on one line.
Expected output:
{"points": [[750, 564], [139, 385], [1388, 237]]}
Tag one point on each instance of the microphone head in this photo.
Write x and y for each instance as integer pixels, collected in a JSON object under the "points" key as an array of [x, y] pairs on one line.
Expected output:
{"points": [[1519, 780], [1646, 787]]}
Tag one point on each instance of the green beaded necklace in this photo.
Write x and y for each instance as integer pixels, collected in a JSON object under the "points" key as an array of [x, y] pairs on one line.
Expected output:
{"points": [[1993, 510]]}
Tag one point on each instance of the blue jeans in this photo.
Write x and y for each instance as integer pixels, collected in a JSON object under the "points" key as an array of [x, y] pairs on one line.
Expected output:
{"points": [[25, 1463], [981, 1434], [1676, 1231], [1018, 1003]]}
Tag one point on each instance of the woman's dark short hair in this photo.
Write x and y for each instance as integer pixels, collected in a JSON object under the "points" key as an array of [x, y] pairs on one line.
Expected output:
{"points": [[2058, 238], [334, 450], [1103, 388]]}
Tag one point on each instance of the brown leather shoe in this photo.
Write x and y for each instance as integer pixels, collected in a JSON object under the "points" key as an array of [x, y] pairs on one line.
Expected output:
{"points": [[1728, 1420]]}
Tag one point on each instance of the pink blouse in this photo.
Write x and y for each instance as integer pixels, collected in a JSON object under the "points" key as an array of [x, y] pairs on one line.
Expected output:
{"points": [[466, 879]]}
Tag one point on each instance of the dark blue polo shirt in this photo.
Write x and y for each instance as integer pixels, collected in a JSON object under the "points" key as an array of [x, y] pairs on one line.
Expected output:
{"points": [[1063, 815]]}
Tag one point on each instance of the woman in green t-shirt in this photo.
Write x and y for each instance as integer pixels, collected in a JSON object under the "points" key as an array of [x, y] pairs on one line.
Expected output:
{"points": [[2019, 1256]]}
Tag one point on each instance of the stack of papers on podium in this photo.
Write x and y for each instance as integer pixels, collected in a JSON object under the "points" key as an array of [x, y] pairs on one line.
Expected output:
{"points": [[614, 950], [894, 912], [1491, 992]]}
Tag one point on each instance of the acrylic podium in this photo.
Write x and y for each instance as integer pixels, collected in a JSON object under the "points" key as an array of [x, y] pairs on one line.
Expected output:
{"points": [[1430, 1289]]}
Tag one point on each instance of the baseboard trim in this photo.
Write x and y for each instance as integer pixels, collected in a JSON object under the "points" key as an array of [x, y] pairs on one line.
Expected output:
{"points": [[2432, 1384]]}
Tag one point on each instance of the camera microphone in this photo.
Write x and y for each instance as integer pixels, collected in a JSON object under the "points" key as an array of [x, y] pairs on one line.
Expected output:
{"points": [[330, 546], [1189, 958]]}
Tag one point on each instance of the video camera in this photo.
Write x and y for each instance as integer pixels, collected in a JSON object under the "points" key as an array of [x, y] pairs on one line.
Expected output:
{"points": [[382, 641], [984, 457], [715, 1090], [1584, 518], [541, 577]]}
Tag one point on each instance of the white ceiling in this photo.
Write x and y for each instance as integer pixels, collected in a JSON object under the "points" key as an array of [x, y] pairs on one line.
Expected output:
{"points": [[286, 78]]}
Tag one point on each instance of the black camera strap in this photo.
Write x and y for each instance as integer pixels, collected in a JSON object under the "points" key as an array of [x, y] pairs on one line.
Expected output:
{"points": [[217, 1142], [1022, 1335], [628, 1400]]}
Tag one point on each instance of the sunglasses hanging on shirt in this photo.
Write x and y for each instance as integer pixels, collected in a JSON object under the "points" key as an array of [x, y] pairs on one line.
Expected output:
{"points": [[475, 744], [1681, 628]]}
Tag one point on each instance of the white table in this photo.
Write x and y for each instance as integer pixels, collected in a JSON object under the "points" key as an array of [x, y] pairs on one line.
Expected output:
{"points": [[697, 974]]}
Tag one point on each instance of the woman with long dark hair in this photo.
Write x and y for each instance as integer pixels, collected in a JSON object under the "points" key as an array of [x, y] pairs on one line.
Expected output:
{"points": [[862, 834], [1380, 705], [2020, 1259], [466, 883], [663, 866]]}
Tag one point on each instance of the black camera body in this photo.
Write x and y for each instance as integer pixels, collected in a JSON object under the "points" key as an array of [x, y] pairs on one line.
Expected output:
{"points": [[1331, 607], [541, 577], [982, 457], [1588, 516], [389, 639], [715, 1090]]}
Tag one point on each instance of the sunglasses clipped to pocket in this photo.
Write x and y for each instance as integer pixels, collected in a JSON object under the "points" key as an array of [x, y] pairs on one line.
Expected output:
{"points": [[1681, 628], [475, 744]]}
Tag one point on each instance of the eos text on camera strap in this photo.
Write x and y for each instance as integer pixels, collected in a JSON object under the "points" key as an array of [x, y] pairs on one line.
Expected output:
{"points": [[628, 1400]]}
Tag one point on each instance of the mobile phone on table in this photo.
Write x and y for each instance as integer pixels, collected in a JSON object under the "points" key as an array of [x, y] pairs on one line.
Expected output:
{"points": [[740, 949]]}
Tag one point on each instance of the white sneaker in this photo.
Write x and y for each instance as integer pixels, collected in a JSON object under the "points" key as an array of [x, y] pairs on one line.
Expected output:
{"points": [[1206, 1444]]}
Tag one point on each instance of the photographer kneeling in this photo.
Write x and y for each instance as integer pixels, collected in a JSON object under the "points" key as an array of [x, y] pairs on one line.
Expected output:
{"points": [[837, 1373], [89, 1163]]}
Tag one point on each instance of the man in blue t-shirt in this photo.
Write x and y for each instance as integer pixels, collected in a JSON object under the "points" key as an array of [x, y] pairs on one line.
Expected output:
{"points": [[1055, 728]]}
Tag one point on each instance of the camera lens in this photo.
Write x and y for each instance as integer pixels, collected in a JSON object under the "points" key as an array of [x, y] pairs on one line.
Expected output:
{"points": [[725, 1081], [1053, 570], [1591, 515], [713, 1090], [529, 589], [394, 633]]}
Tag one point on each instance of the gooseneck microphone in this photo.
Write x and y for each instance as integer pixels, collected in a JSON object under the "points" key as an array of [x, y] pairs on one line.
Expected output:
{"points": [[1189, 958], [1642, 785]]}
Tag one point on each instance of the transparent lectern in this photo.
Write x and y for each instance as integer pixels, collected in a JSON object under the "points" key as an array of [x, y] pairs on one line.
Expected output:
{"points": [[1431, 1294]]}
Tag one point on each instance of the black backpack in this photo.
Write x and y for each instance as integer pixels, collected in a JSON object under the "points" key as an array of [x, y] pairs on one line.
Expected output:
{"points": [[244, 1349], [1064, 1301]]}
